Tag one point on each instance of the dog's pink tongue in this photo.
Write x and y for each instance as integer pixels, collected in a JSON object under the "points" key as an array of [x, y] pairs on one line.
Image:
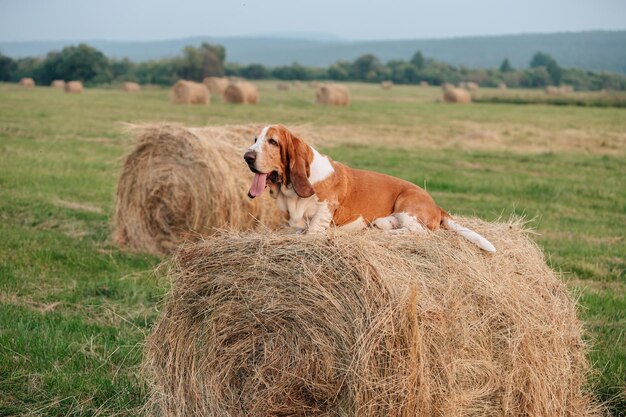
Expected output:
{"points": [[258, 185]]}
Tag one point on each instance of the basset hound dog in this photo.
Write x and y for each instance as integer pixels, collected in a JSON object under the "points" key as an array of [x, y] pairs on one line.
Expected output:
{"points": [[316, 192]]}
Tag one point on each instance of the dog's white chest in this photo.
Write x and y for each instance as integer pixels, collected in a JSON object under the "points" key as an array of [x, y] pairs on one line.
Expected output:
{"points": [[300, 210]]}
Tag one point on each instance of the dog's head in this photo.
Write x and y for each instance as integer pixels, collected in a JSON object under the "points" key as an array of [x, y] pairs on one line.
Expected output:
{"points": [[279, 157]]}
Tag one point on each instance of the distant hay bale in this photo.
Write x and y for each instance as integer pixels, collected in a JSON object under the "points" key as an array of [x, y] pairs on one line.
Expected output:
{"points": [[74, 87], [27, 82], [297, 84], [566, 89], [471, 86], [282, 86], [241, 92], [179, 183], [552, 91], [60, 84], [386, 85], [502, 86], [424, 84], [131, 87], [367, 325], [457, 95], [189, 92], [447, 86], [216, 85], [332, 94]]}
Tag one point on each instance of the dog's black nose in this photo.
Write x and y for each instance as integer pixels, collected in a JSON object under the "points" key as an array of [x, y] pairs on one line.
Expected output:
{"points": [[249, 157]]}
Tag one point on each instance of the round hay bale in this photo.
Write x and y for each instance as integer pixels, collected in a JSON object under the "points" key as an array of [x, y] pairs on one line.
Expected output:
{"points": [[179, 183], [552, 91], [241, 92], [189, 92], [471, 86], [502, 86], [446, 86], [367, 325], [60, 84], [457, 95], [282, 86], [297, 84], [131, 87], [424, 84], [216, 85], [386, 85], [332, 94], [27, 82], [74, 87]]}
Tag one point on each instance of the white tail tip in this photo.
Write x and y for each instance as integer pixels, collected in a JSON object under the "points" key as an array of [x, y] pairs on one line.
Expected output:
{"points": [[472, 236]]}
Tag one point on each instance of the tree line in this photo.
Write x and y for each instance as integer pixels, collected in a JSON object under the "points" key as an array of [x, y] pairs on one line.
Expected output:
{"points": [[87, 64]]}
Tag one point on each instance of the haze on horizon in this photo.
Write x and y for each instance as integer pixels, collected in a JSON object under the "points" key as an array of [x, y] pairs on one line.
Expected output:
{"points": [[143, 20]]}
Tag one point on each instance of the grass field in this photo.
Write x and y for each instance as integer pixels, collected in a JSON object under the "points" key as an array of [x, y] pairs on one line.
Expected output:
{"points": [[74, 310]]}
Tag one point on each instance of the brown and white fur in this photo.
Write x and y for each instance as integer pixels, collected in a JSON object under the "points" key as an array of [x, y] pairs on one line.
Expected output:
{"points": [[316, 192]]}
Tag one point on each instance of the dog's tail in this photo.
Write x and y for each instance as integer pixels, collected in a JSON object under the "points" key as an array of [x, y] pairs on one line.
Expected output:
{"points": [[468, 234]]}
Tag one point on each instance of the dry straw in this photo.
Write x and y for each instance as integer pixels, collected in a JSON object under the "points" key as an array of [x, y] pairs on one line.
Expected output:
{"points": [[386, 85], [241, 92], [332, 94], [131, 87], [424, 84], [456, 95], [60, 84], [75, 87], [27, 82], [189, 92], [178, 183], [282, 86], [367, 325], [216, 85]]}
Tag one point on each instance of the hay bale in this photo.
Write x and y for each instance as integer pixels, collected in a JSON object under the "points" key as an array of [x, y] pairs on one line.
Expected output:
{"points": [[27, 82], [386, 85], [332, 94], [189, 92], [552, 91], [179, 183], [424, 84], [367, 325], [457, 95], [502, 86], [131, 87], [446, 86], [282, 86], [60, 84], [566, 89], [74, 87], [241, 92], [297, 84], [471, 86], [216, 85]]}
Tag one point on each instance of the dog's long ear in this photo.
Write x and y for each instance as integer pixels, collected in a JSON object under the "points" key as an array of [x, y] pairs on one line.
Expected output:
{"points": [[299, 154]]}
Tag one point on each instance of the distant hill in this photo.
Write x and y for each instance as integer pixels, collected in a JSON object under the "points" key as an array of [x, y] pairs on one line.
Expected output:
{"points": [[595, 50]]}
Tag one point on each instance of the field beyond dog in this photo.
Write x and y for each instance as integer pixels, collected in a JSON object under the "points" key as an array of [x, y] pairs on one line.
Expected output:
{"points": [[75, 310]]}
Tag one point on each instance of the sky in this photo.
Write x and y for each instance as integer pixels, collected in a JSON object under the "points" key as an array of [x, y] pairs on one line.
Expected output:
{"points": [[142, 20]]}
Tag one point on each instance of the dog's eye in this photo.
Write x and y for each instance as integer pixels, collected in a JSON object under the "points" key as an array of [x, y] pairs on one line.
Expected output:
{"points": [[273, 142]]}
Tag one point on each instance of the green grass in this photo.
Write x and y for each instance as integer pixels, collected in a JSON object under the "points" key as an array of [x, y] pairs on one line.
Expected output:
{"points": [[74, 310], [609, 99]]}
